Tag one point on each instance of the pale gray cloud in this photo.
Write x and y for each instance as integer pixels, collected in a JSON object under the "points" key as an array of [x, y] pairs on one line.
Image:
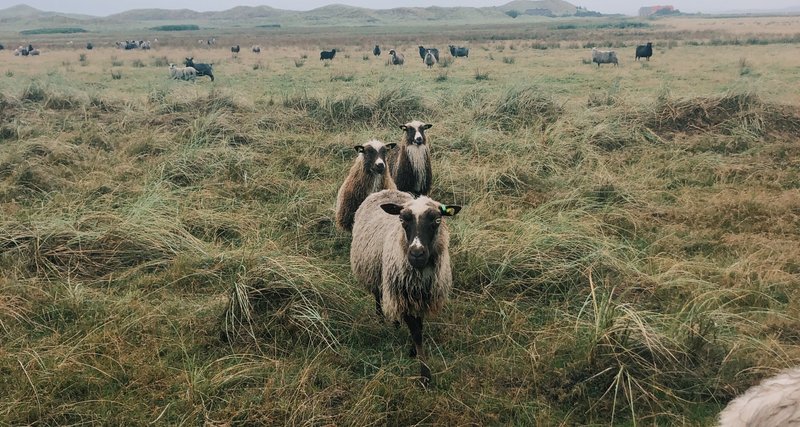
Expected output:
{"points": [[629, 7]]}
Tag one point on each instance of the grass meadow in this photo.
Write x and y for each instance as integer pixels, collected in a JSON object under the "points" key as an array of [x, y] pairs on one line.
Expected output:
{"points": [[628, 252]]}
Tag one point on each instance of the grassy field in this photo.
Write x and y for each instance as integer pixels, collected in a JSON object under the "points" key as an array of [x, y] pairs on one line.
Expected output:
{"points": [[628, 251]]}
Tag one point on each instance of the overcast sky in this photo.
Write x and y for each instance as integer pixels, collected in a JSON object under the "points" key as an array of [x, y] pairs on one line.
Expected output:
{"points": [[629, 7]]}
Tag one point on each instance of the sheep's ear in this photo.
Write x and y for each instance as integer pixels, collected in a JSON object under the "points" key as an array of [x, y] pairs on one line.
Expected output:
{"points": [[359, 148], [449, 210], [404, 127], [391, 145], [427, 126], [391, 208]]}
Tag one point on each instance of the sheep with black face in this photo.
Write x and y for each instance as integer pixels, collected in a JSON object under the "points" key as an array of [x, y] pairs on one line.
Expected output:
{"points": [[368, 175], [400, 253], [411, 169]]}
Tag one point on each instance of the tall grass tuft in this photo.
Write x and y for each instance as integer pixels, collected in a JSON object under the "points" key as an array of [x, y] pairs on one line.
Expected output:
{"points": [[517, 108]]}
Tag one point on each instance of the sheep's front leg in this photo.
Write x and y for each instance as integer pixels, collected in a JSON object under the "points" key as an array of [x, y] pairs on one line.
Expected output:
{"points": [[417, 350], [378, 308]]}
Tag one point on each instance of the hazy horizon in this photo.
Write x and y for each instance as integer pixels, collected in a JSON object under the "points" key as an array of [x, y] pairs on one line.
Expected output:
{"points": [[627, 7]]}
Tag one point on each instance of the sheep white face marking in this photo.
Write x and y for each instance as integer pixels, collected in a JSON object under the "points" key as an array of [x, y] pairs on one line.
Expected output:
{"points": [[420, 219], [373, 154]]}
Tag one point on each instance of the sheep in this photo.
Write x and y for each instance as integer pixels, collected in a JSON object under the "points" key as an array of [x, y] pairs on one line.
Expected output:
{"points": [[430, 60], [423, 51], [202, 69], [184, 73], [644, 51], [376, 50], [2, 47], [145, 45], [773, 402], [175, 72], [367, 175], [33, 52], [404, 264], [235, 50], [604, 57], [89, 46], [256, 48], [459, 51], [327, 54], [411, 166], [396, 58]]}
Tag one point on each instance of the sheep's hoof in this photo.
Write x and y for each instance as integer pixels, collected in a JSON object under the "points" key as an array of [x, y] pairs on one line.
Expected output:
{"points": [[425, 375]]}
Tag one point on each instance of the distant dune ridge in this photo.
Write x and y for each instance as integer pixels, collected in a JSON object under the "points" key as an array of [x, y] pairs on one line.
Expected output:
{"points": [[334, 13]]}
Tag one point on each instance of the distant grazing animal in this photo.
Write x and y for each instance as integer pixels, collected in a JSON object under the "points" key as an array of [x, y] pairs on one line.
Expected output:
{"points": [[211, 41], [89, 46], [22, 50], [433, 50], [256, 49], [34, 52], [235, 50], [182, 73], [202, 69], [396, 58], [30, 47], [145, 45], [429, 59], [376, 50], [405, 264], [369, 174], [459, 51], [644, 51], [411, 167], [604, 57], [2, 47], [327, 54], [773, 402]]}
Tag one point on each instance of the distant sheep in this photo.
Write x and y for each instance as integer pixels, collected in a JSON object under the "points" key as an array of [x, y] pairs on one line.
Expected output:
{"points": [[376, 50], [430, 60], [2, 47], [182, 73], [327, 54], [459, 51], [235, 50], [202, 69], [773, 402], [368, 175], [423, 51], [256, 49], [604, 57], [405, 264], [34, 52], [89, 46], [396, 58], [644, 51], [411, 167]]}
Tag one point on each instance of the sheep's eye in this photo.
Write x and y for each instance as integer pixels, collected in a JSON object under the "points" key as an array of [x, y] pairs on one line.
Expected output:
{"points": [[437, 221]]}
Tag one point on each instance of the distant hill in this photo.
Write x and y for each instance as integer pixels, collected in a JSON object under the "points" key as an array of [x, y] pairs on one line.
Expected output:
{"points": [[530, 7], [334, 14]]}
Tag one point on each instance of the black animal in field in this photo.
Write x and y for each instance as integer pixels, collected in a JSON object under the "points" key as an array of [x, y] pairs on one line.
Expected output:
{"points": [[644, 51], [376, 50], [327, 54], [459, 51], [202, 69], [433, 50], [89, 46]]}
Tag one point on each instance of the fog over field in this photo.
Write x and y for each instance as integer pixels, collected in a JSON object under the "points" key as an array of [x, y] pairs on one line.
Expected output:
{"points": [[627, 7]]}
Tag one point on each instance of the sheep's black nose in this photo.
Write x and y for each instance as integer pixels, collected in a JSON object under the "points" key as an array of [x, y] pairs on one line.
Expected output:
{"points": [[380, 167], [416, 251], [418, 140]]}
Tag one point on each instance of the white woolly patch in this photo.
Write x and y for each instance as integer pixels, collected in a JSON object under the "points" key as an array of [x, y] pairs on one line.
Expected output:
{"points": [[416, 243], [774, 402], [417, 156], [374, 143]]}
